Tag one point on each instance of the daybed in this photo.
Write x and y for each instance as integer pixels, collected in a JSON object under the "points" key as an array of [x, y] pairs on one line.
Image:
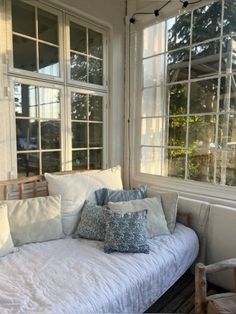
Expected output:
{"points": [[75, 275]]}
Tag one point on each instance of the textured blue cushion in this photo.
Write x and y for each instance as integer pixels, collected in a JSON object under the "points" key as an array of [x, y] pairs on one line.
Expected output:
{"points": [[103, 196], [92, 222], [126, 232]]}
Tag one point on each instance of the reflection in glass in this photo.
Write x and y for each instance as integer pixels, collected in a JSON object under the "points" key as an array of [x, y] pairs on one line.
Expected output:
{"points": [[78, 64], [47, 27], [177, 131], [95, 44], [79, 106], [95, 71], [50, 134], [229, 24], [154, 39], [228, 93], [176, 163], [228, 63], [203, 96], [226, 167], [25, 100], [95, 159], [95, 108], [153, 71], [24, 53], [202, 131], [227, 131], [95, 135], [51, 162], [27, 164], [78, 38], [152, 104], [201, 165], [27, 134], [178, 29], [79, 134], [48, 60], [23, 18], [79, 159], [152, 160], [152, 131], [205, 59], [177, 65], [49, 103], [177, 97], [206, 22]]}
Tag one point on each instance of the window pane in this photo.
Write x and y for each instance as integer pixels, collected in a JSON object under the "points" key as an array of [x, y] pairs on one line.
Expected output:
{"points": [[177, 131], [95, 108], [205, 59], [95, 135], [177, 97], [229, 25], [176, 163], [153, 71], [203, 96], [95, 159], [152, 131], [228, 63], [152, 160], [228, 93], [23, 18], [178, 29], [227, 131], [26, 134], [51, 162], [79, 159], [226, 167], [95, 44], [152, 104], [25, 100], [24, 53], [202, 131], [50, 134], [95, 71], [78, 38], [47, 26], [49, 103], [177, 65], [27, 164], [48, 60], [79, 134], [79, 106], [78, 67], [207, 22], [201, 165], [154, 39]]}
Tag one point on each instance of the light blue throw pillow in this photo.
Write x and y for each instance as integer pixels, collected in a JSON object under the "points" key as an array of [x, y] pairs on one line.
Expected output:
{"points": [[126, 232], [103, 196], [92, 222]]}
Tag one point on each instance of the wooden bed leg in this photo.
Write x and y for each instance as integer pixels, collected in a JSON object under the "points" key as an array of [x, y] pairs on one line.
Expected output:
{"points": [[200, 289]]}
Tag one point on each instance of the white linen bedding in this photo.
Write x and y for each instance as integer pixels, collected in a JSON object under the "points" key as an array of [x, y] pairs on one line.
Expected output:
{"points": [[76, 276]]}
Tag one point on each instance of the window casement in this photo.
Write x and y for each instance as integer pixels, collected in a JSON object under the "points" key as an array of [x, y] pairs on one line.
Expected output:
{"points": [[187, 93], [58, 73]]}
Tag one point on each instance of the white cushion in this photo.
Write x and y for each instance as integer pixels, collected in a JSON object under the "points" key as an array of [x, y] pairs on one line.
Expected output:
{"points": [[35, 219], [156, 222], [76, 188], [6, 244]]}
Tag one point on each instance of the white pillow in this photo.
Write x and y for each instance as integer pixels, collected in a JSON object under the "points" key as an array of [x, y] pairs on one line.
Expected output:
{"points": [[76, 188], [156, 222], [6, 244], [35, 219]]}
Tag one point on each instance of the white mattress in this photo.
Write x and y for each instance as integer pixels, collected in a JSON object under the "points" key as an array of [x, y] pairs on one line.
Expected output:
{"points": [[76, 276]]}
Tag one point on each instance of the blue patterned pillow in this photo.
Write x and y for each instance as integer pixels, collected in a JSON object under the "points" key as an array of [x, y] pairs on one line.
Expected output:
{"points": [[126, 232], [92, 223], [103, 196]]}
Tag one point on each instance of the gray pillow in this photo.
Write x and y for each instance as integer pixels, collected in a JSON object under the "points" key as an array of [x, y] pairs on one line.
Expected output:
{"points": [[92, 222], [103, 196], [126, 232], [169, 202]]}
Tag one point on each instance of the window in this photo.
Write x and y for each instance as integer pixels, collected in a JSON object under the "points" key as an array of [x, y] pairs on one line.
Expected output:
{"points": [[59, 119], [188, 96]]}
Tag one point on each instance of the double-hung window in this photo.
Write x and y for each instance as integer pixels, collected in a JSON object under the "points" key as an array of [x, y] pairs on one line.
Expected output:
{"points": [[188, 96]]}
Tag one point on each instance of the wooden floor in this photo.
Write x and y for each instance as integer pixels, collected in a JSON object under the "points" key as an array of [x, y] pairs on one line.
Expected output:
{"points": [[180, 297]]}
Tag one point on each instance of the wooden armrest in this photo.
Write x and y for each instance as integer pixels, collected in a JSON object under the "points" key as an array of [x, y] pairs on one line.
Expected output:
{"points": [[220, 266]]}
